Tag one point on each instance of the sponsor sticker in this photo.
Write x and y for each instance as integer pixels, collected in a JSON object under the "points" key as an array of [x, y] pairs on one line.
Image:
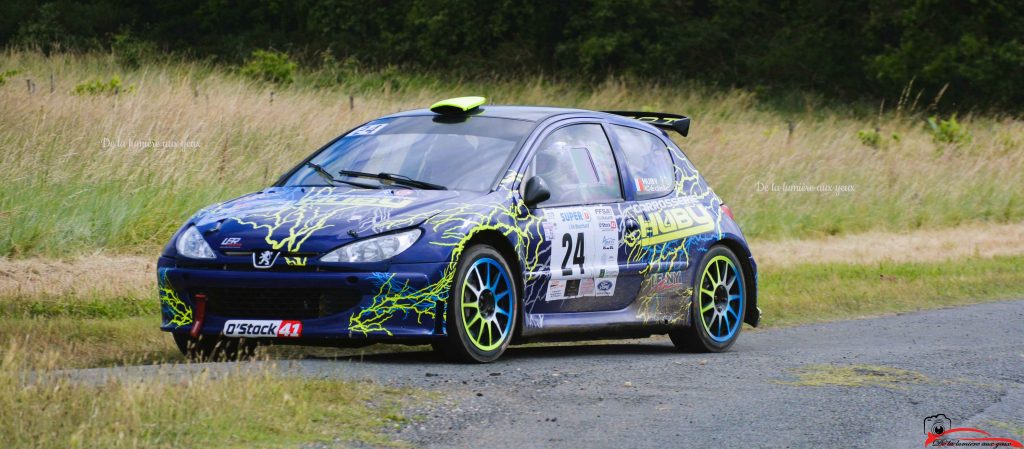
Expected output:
{"points": [[586, 287], [584, 251], [556, 290], [376, 201], [231, 242], [583, 240], [296, 261], [652, 185], [609, 242], [674, 224], [263, 328], [367, 130], [605, 286]]}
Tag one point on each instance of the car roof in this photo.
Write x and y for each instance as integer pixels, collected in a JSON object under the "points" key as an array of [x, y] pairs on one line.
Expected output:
{"points": [[530, 113], [536, 114]]}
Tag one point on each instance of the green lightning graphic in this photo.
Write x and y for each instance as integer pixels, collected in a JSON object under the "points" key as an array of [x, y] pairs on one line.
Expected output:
{"points": [[179, 312]]}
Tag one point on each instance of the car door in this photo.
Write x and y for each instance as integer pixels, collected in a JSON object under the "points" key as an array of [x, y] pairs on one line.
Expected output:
{"points": [[668, 220], [582, 222]]}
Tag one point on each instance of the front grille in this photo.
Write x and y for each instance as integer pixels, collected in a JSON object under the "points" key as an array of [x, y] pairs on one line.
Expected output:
{"points": [[277, 303]]}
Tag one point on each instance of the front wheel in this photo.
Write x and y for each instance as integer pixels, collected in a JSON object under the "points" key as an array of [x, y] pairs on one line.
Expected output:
{"points": [[482, 307], [717, 310]]}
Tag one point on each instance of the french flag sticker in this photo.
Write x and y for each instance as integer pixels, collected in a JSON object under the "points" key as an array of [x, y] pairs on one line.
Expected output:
{"points": [[639, 185]]}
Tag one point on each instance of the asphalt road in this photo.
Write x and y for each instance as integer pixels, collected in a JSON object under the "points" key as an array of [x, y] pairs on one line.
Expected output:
{"points": [[966, 363]]}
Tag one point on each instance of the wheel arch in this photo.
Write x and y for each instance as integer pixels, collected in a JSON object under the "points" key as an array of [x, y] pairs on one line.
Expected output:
{"points": [[500, 242], [751, 314]]}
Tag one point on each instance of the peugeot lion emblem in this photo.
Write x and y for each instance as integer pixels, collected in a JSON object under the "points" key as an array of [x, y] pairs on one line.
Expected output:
{"points": [[264, 259]]}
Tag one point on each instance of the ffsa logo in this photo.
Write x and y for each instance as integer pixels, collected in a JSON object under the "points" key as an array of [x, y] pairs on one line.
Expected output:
{"points": [[264, 259]]}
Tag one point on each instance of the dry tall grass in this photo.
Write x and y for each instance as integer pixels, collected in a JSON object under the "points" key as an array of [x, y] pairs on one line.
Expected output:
{"points": [[42, 407], [68, 187]]}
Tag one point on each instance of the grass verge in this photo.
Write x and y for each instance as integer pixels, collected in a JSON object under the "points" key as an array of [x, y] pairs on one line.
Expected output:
{"points": [[122, 330], [824, 292], [43, 409], [91, 342]]}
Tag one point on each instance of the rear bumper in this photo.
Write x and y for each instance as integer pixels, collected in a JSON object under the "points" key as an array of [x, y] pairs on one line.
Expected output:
{"points": [[404, 303]]}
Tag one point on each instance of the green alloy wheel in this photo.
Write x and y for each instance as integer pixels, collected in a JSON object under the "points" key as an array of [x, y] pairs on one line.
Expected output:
{"points": [[482, 309], [718, 307]]}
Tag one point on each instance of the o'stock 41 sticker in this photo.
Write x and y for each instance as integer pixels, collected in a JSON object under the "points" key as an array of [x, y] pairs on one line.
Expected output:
{"points": [[367, 129], [584, 251]]}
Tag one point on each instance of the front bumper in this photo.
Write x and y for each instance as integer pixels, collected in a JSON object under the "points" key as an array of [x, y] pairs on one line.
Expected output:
{"points": [[407, 302]]}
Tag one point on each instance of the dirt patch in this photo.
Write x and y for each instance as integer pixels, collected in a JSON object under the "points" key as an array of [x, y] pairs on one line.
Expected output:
{"points": [[96, 275], [985, 240]]}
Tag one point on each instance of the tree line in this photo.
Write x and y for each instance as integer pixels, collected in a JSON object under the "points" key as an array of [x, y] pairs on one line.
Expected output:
{"points": [[971, 52]]}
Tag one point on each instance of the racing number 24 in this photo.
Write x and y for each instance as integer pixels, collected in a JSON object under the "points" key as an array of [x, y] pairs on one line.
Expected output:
{"points": [[578, 257]]}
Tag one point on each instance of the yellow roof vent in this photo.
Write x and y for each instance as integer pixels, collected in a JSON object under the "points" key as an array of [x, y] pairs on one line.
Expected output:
{"points": [[459, 105]]}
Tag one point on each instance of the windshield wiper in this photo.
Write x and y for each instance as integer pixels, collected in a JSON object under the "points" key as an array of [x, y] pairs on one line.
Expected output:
{"points": [[395, 178], [331, 179]]}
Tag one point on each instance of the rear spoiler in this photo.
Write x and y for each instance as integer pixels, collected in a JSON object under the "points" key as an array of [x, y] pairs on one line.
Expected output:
{"points": [[675, 122]]}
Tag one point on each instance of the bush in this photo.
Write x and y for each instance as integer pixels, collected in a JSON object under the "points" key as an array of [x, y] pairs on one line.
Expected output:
{"points": [[271, 66], [333, 72], [870, 137], [97, 87], [131, 52], [7, 74], [948, 131]]}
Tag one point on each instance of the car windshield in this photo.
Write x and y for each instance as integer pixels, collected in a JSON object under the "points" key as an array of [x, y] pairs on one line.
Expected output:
{"points": [[464, 153]]}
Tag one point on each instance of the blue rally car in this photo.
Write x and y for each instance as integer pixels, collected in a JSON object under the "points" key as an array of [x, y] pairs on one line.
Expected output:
{"points": [[468, 227]]}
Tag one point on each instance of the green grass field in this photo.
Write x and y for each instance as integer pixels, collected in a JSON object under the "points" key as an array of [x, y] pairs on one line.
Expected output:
{"points": [[72, 188]]}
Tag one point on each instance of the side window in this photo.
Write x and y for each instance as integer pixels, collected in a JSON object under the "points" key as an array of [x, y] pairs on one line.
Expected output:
{"points": [[648, 161], [577, 164]]}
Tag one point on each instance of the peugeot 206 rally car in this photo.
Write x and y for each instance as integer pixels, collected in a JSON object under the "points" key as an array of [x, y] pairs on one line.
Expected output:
{"points": [[469, 227]]}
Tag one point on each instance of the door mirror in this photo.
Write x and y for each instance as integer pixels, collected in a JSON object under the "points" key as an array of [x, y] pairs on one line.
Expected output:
{"points": [[536, 191]]}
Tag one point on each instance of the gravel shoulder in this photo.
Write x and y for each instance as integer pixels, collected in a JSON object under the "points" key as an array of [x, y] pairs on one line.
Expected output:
{"points": [[861, 383]]}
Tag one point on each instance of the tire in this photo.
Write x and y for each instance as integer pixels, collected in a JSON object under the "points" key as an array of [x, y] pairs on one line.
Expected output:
{"points": [[482, 307], [214, 348], [718, 306]]}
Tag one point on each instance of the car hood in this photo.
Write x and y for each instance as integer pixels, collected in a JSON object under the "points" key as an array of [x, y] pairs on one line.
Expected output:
{"points": [[308, 220]]}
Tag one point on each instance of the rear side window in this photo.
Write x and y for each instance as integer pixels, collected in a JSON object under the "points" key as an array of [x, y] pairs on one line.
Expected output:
{"points": [[577, 164], [648, 161]]}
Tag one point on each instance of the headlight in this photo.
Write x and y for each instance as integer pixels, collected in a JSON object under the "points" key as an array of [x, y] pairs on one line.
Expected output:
{"points": [[191, 244], [374, 249]]}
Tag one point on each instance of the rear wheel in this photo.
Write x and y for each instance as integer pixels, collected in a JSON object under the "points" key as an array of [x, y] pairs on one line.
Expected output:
{"points": [[214, 348], [482, 307], [718, 306]]}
